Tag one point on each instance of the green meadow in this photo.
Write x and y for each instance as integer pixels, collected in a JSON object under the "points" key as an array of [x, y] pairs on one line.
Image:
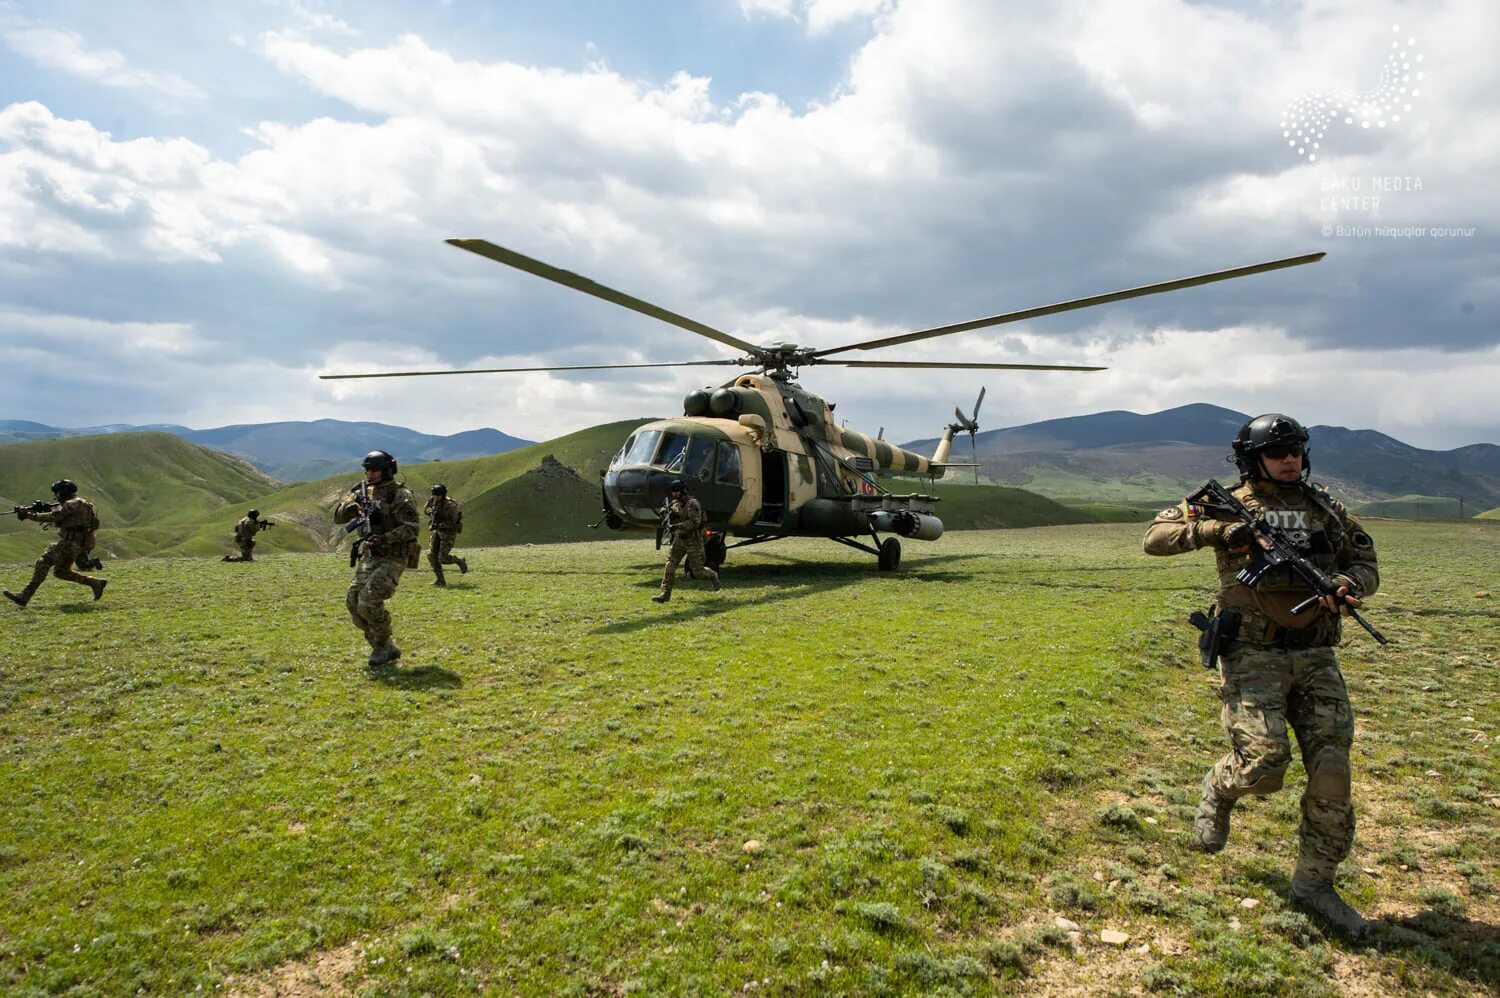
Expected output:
{"points": [[959, 778]]}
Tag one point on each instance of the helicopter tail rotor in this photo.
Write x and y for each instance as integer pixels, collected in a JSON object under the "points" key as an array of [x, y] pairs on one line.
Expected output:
{"points": [[970, 424]]}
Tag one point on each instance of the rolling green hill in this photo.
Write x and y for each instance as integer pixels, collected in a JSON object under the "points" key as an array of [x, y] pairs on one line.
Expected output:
{"points": [[151, 489]]}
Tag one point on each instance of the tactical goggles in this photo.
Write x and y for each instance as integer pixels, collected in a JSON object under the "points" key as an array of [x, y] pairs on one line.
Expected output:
{"points": [[1282, 453]]}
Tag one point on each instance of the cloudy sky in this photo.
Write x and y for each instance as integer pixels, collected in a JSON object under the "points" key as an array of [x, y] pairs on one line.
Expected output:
{"points": [[204, 206]]}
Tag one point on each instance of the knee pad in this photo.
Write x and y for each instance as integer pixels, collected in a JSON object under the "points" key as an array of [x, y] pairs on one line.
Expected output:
{"points": [[1328, 774], [1267, 784]]}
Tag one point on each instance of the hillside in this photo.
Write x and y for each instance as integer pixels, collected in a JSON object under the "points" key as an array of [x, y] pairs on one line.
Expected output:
{"points": [[151, 489], [1158, 457], [298, 451]]}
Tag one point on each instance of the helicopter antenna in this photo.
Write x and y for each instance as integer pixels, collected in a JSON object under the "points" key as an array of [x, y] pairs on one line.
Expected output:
{"points": [[880, 433]]}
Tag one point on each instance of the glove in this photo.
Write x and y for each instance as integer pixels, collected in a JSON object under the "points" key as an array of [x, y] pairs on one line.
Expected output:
{"points": [[1236, 535]]}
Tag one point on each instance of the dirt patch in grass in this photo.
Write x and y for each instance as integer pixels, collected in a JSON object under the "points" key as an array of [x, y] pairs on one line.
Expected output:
{"points": [[325, 973]]}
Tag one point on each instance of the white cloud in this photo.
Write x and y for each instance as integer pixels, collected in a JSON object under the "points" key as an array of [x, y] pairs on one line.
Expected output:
{"points": [[67, 52], [974, 159], [319, 21], [820, 16]]}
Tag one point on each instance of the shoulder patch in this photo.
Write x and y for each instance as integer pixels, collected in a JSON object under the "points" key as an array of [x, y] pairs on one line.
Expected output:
{"points": [[1170, 513]]}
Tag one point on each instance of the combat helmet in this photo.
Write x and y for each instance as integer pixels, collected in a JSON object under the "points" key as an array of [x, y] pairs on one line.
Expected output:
{"points": [[379, 460], [678, 485], [440, 489], [65, 488], [1263, 433], [253, 514]]}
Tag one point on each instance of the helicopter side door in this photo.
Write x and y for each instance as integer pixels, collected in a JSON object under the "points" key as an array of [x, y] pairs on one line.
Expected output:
{"points": [[773, 487]]}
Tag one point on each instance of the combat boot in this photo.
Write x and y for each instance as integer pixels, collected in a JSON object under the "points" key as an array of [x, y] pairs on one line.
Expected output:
{"points": [[440, 580], [715, 580], [658, 598], [19, 599], [1211, 824], [463, 566], [97, 585], [1318, 897]]}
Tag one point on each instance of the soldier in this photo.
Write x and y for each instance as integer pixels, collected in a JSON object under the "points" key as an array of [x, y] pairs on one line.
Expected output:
{"points": [[445, 521], [386, 516], [76, 522], [1281, 668], [244, 535], [684, 520]]}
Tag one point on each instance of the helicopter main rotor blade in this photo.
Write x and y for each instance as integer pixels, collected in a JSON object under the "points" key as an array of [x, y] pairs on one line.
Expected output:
{"points": [[979, 401], [520, 370], [1068, 306], [959, 365], [577, 282]]}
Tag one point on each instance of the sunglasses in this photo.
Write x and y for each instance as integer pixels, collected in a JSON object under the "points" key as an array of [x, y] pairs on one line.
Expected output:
{"points": [[1282, 453]]}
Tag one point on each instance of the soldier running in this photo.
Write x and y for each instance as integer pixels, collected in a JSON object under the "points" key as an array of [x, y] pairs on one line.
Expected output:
{"points": [[1281, 669], [445, 521], [386, 516], [76, 522], [684, 520], [244, 535]]}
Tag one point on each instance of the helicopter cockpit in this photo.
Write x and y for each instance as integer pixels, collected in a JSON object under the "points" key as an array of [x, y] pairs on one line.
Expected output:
{"points": [[640, 473]]}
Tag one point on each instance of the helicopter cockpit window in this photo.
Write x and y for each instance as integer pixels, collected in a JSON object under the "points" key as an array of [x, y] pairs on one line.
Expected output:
{"points": [[673, 445], [729, 464], [619, 457], [642, 447], [700, 458]]}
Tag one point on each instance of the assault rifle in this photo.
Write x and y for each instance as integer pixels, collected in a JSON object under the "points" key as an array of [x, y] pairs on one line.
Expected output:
{"points": [[265, 523], [366, 522], [1273, 548], [668, 525], [40, 506]]}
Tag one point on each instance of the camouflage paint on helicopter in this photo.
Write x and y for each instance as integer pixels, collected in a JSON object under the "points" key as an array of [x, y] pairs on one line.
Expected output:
{"points": [[766, 459]]}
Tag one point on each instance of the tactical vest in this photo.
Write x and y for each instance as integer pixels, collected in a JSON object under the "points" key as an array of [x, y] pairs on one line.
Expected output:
{"points": [[1309, 518]]}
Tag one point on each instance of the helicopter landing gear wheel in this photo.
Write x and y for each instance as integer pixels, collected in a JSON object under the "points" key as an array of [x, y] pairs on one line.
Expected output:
{"points": [[890, 554], [715, 551]]}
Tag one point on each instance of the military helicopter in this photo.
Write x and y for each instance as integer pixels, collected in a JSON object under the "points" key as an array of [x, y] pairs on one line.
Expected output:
{"points": [[765, 456]]}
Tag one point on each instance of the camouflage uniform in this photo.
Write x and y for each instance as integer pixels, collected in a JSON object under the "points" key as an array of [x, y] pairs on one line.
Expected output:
{"points": [[394, 546], [686, 517], [75, 521], [1281, 670], [445, 522], [244, 538]]}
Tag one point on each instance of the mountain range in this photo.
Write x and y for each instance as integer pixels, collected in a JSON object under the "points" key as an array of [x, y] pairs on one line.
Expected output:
{"points": [[297, 451], [1125, 458], [1159, 457]]}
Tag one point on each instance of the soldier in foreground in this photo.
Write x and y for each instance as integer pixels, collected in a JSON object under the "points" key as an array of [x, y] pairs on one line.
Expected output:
{"points": [[684, 521], [244, 535], [384, 514], [1278, 667], [76, 522], [445, 521]]}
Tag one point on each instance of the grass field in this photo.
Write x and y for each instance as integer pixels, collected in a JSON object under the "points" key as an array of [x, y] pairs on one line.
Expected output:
{"points": [[822, 780]]}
